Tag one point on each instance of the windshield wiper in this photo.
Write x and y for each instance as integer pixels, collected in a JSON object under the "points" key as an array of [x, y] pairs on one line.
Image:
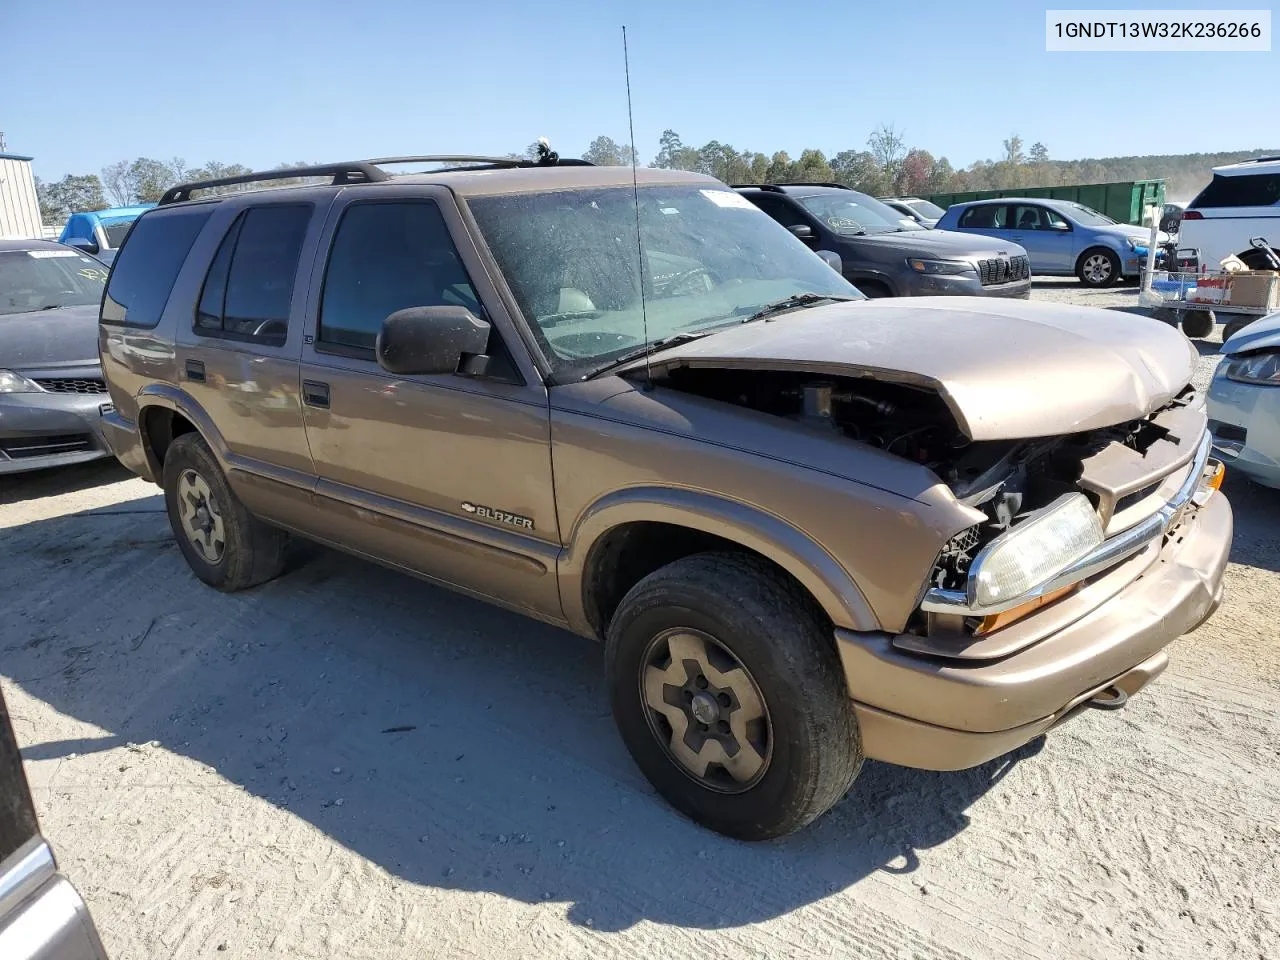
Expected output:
{"points": [[672, 341], [796, 301]]}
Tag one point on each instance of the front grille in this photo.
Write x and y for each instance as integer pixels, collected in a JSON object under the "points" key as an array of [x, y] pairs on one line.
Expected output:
{"points": [[73, 384], [1129, 499], [1003, 270], [21, 448]]}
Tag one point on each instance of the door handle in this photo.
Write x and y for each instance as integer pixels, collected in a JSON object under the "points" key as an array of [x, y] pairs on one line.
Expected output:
{"points": [[315, 394], [195, 371]]}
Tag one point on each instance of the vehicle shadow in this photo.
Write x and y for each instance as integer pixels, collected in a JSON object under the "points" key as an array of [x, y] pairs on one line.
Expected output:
{"points": [[451, 743], [18, 487]]}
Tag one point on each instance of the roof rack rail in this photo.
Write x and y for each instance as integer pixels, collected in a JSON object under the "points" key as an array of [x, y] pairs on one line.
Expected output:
{"points": [[366, 171], [359, 171], [817, 183], [771, 187], [497, 162]]}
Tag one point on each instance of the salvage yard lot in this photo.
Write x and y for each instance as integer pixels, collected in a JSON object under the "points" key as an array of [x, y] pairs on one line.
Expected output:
{"points": [[349, 763]]}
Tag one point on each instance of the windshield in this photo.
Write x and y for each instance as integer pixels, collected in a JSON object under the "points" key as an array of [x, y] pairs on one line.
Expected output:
{"points": [[46, 278], [854, 214], [930, 211], [116, 230], [710, 258], [1088, 216]]}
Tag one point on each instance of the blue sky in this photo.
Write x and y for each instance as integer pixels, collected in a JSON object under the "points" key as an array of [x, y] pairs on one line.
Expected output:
{"points": [[274, 80]]}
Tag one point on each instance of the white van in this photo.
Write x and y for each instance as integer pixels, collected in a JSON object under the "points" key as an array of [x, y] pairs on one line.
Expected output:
{"points": [[1241, 202]]}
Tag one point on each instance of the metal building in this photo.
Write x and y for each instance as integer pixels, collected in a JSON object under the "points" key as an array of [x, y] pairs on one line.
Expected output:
{"points": [[19, 207]]}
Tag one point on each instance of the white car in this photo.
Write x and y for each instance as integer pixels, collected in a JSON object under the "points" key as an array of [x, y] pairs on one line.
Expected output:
{"points": [[1241, 202], [1244, 401]]}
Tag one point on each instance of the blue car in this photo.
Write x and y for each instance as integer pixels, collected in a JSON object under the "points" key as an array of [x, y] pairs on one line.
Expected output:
{"points": [[101, 232], [1061, 238]]}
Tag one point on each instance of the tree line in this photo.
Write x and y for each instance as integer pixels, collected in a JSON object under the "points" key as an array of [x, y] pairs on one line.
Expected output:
{"points": [[887, 166]]}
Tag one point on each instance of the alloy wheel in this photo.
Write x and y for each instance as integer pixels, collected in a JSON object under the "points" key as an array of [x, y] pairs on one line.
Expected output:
{"points": [[706, 710], [201, 520], [1097, 269]]}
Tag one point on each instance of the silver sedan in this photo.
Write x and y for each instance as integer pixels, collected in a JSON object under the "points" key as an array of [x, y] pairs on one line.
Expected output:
{"points": [[52, 395]]}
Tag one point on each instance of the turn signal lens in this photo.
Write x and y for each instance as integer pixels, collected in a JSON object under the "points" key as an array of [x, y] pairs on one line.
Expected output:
{"points": [[1006, 617]]}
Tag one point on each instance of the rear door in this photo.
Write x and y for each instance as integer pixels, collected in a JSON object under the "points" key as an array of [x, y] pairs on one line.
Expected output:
{"points": [[41, 915], [448, 475], [238, 349], [1046, 235], [988, 219]]}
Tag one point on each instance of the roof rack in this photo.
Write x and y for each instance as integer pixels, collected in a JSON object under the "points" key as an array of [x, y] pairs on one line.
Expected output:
{"points": [[365, 171], [360, 171], [817, 183], [777, 187]]}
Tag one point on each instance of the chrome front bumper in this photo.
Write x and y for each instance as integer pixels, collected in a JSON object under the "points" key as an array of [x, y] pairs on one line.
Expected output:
{"points": [[1107, 554]]}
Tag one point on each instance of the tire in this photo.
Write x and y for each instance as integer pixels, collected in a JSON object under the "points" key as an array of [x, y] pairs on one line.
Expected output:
{"points": [[1198, 323], [234, 549], [760, 635], [1098, 267], [1235, 326]]}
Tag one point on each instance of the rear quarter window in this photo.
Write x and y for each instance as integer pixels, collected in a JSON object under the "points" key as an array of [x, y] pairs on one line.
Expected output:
{"points": [[1257, 190], [146, 267]]}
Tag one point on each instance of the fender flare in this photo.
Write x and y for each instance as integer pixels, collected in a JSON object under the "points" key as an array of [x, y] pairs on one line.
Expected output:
{"points": [[179, 401], [813, 567]]}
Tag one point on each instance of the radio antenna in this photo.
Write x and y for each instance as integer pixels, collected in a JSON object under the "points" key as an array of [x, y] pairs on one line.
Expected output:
{"points": [[635, 195]]}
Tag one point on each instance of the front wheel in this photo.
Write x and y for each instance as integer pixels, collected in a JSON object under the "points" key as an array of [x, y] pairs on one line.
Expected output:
{"points": [[1098, 267], [727, 690]]}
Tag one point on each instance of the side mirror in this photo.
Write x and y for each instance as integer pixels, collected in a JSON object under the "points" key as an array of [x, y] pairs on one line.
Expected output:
{"points": [[832, 260], [430, 339], [83, 243], [804, 232], [1060, 227]]}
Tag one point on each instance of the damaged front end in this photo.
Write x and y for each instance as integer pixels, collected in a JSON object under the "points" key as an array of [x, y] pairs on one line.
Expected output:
{"points": [[1062, 513]]}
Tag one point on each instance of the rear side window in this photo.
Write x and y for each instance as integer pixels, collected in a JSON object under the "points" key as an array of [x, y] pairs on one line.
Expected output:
{"points": [[144, 271], [987, 217], [249, 287], [1258, 190], [386, 257]]}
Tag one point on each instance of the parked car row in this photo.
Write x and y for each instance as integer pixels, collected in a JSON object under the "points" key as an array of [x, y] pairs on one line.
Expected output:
{"points": [[883, 256], [101, 232]]}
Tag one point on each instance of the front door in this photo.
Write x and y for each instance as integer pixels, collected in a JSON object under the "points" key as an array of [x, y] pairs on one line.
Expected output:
{"points": [[1047, 237], [447, 475]]}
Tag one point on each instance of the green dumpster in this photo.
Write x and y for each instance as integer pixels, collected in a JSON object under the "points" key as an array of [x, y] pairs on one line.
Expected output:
{"points": [[1122, 201]]}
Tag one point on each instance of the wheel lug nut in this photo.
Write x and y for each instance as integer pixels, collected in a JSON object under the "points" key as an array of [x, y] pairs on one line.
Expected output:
{"points": [[725, 701], [723, 726], [701, 682]]}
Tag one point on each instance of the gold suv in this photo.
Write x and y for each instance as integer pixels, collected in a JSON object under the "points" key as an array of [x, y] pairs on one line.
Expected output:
{"points": [[808, 527]]}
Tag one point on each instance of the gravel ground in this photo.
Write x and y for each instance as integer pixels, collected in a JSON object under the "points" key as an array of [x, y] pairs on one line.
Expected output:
{"points": [[348, 763]]}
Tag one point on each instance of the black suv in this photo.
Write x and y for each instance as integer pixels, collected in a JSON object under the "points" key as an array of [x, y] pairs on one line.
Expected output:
{"points": [[882, 255]]}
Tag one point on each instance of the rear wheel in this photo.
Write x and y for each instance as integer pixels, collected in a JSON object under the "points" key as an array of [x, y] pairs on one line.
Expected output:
{"points": [[225, 545], [728, 693], [1098, 267]]}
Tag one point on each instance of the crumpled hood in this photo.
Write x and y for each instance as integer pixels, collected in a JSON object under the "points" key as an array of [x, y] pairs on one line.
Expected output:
{"points": [[49, 338], [1007, 369]]}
